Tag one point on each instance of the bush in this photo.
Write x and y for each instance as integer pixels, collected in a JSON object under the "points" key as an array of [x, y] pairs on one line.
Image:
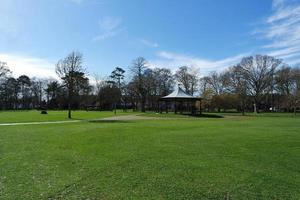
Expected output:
{"points": [[44, 112]]}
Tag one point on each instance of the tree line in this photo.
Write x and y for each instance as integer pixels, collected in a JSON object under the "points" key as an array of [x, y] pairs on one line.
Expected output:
{"points": [[257, 83]]}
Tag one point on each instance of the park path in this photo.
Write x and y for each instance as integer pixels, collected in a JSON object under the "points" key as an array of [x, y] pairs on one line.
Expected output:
{"points": [[39, 123], [107, 119], [114, 118]]}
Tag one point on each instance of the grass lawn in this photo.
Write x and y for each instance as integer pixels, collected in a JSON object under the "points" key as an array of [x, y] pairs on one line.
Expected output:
{"points": [[178, 158], [35, 116]]}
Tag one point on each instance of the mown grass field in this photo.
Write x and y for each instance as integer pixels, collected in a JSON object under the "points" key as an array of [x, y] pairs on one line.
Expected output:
{"points": [[251, 157], [35, 116]]}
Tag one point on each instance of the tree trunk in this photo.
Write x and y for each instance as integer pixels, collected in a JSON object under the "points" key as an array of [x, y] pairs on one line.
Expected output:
{"points": [[254, 108], [295, 108], [243, 107], [69, 105], [69, 110], [143, 109], [200, 107]]}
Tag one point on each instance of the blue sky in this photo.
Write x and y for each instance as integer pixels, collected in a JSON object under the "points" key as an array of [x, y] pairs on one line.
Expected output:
{"points": [[208, 35]]}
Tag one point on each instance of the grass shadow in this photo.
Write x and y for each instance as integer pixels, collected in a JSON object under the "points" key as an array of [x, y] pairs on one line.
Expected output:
{"points": [[205, 115], [108, 121]]}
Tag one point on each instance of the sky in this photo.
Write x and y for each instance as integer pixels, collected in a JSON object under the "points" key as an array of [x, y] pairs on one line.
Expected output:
{"points": [[204, 34]]}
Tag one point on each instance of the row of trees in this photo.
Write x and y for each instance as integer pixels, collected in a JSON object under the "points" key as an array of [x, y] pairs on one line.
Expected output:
{"points": [[256, 83], [31, 93]]}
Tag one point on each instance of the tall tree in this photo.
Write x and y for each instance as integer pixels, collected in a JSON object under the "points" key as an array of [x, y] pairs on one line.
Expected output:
{"points": [[164, 80], [24, 83], [258, 72], [117, 77], [188, 77], [217, 82], [234, 83], [37, 87], [138, 68], [296, 88], [52, 91], [68, 69], [9, 93], [4, 70]]}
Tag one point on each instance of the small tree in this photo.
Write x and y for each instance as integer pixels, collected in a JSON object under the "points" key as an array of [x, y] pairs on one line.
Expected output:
{"points": [[69, 69]]}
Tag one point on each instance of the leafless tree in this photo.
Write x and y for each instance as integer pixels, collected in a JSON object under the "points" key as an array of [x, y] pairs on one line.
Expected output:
{"points": [[163, 80], [217, 82], [235, 84], [296, 88], [70, 69], [4, 70], [258, 72], [188, 77], [138, 68]]}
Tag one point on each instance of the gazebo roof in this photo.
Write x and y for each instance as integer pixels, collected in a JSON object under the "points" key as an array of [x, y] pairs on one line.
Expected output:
{"points": [[179, 94]]}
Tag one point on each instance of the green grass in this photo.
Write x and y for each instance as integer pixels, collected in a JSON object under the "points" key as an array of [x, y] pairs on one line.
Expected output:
{"points": [[35, 116], [192, 158]]}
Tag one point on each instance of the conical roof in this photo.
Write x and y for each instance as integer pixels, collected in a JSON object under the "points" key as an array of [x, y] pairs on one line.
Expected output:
{"points": [[179, 94]]}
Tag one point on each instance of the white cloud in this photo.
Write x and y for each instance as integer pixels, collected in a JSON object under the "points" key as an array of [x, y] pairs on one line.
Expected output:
{"points": [[282, 30], [109, 27], [174, 60], [148, 43], [30, 66]]}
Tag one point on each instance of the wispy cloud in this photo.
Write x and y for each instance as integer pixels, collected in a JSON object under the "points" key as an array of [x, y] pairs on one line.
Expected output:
{"points": [[109, 27], [282, 30], [149, 43], [30, 66], [174, 60], [277, 3]]}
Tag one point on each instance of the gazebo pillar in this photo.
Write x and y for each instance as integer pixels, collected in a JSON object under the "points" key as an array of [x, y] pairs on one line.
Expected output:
{"points": [[166, 106], [181, 106]]}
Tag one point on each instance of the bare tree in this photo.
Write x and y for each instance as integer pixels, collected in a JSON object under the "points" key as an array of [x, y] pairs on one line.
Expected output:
{"points": [[100, 81], [188, 77], [234, 83], [138, 68], [296, 88], [217, 82], [4, 70], [163, 80], [68, 70], [258, 72]]}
